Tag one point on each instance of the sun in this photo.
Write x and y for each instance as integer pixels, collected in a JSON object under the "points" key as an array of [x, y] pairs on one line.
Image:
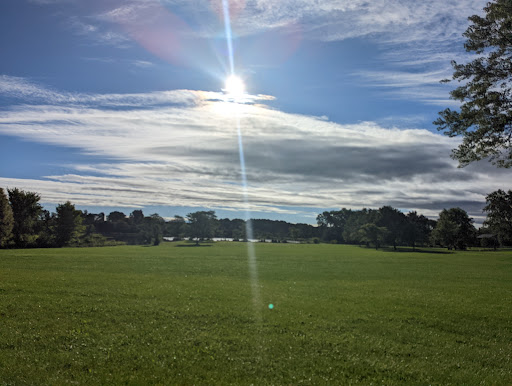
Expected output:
{"points": [[234, 86]]}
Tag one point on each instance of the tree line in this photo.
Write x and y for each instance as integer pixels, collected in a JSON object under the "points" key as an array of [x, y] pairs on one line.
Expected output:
{"points": [[25, 224]]}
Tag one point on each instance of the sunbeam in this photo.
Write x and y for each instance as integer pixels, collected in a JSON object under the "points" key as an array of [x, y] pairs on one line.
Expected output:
{"points": [[229, 37], [235, 87]]}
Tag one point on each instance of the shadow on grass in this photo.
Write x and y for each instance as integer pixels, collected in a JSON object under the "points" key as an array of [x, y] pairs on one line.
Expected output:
{"points": [[192, 245], [417, 250]]}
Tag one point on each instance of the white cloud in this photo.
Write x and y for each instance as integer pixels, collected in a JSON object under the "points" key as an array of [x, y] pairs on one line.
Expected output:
{"points": [[143, 63], [181, 148], [417, 40], [98, 33]]}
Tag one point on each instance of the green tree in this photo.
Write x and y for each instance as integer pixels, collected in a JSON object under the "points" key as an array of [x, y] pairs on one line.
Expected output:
{"points": [[46, 230], [116, 216], [418, 229], [355, 220], [454, 229], [176, 227], [485, 116], [499, 215], [26, 210], [68, 225], [395, 222], [240, 232], [294, 233], [157, 225], [445, 232], [6, 220], [201, 224], [332, 224], [373, 234], [137, 217]]}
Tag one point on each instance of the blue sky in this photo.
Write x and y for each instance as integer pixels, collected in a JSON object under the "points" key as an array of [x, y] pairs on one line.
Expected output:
{"points": [[118, 105]]}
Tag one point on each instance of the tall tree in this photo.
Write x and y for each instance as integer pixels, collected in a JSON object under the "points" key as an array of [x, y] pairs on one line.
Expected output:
{"points": [[355, 220], [454, 229], [485, 116], [68, 227], [46, 230], [418, 229], [176, 227], [156, 225], [26, 210], [395, 222], [499, 215], [6, 220], [332, 224], [116, 216], [201, 224], [371, 233], [137, 216]]}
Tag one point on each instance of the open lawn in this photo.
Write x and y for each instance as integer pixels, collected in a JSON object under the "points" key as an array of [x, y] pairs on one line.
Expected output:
{"points": [[171, 315]]}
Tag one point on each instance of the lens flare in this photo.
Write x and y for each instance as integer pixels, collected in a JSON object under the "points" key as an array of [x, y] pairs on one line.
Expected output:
{"points": [[235, 89], [234, 86]]}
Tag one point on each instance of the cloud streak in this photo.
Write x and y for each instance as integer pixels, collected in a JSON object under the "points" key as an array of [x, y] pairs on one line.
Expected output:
{"points": [[179, 148], [429, 32]]}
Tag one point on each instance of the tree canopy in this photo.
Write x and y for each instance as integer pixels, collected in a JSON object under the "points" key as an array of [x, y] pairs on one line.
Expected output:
{"points": [[68, 227], [26, 210], [6, 220], [201, 224], [454, 229], [485, 116], [499, 215]]}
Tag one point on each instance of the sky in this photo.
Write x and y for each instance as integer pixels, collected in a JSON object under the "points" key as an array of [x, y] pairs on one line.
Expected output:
{"points": [[119, 105]]}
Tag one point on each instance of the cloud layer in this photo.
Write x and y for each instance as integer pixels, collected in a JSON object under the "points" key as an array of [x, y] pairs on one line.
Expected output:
{"points": [[180, 148], [417, 40]]}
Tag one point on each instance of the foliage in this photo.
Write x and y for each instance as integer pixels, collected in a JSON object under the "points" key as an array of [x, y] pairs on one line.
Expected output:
{"points": [[454, 229], [342, 315], [26, 210], [499, 215], [373, 234], [177, 227], [73, 227], [333, 223], [394, 222], [137, 217], [344, 226], [154, 225], [201, 224], [417, 229], [485, 116], [46, 227], [355, 221], [68, 225], [116, 216], [6, 220]]}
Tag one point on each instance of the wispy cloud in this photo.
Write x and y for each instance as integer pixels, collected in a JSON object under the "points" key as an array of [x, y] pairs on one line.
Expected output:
{"points": [[180, 148], [98, 33], [417, 40], [144, 64]]}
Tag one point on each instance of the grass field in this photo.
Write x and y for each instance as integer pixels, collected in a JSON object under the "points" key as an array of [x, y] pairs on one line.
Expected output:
{"points": [[170, 315]]}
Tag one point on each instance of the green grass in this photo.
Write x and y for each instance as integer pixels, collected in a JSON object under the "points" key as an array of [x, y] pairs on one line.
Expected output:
{"points": [[167, 315]]}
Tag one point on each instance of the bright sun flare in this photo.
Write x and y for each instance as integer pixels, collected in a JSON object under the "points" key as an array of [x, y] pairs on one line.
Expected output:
{"points": [[234, 86]]}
